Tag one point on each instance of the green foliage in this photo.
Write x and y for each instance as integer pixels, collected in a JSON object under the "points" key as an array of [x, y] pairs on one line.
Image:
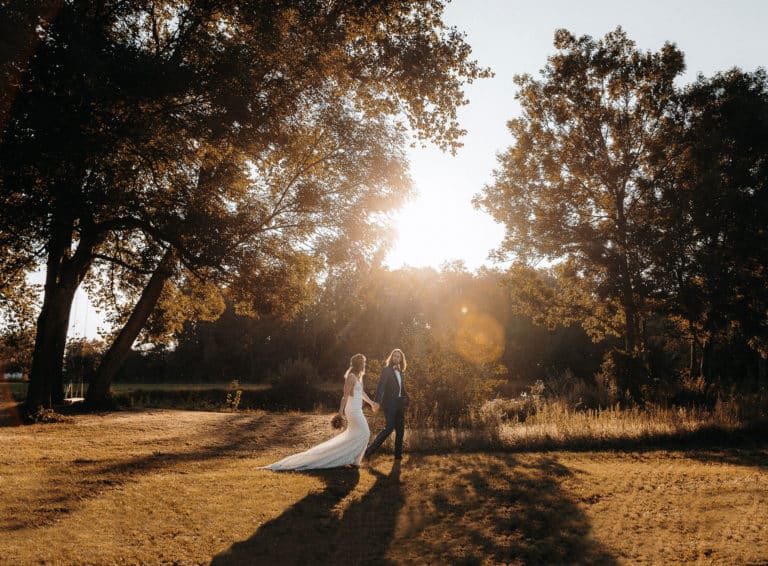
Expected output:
{"points": [[255, 141], [711, 267], [445, 388], [648, 201], [81, 359], [578, 393], [572, 188], [625, 375], [296, 375], [18, 299], [16, 350], [466, 317], [18, 304]]}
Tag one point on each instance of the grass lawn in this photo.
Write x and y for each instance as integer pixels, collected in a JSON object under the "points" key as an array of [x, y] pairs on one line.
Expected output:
{"points": [[163, 486]]}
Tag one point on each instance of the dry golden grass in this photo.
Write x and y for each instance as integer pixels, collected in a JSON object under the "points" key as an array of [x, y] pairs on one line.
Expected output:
{"points": [[556, 426], [150, 487]]}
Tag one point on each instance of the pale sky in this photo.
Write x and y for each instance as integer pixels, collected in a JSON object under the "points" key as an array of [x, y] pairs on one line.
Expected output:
{"points": [[514, 37]]}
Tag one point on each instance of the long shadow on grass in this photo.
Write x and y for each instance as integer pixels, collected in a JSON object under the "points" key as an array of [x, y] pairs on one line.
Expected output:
{"points": [[756, 457], [95, 477], [495, 510], [310, 533], [237, 441]]}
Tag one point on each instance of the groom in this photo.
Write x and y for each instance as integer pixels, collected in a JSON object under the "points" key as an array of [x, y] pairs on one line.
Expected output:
{"points": [[391, 396]]}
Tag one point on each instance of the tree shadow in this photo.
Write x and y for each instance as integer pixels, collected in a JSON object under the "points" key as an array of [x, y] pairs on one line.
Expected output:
{"points": [[309, 533], [95, 477], [499, 511], [367, 528], [241, 442], [755, 457]]}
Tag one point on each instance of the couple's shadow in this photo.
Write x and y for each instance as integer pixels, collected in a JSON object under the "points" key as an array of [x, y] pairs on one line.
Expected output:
{"points": [[311, 532]]}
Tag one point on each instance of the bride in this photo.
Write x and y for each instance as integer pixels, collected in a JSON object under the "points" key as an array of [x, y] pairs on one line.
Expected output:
{"points": [[349, 446]]}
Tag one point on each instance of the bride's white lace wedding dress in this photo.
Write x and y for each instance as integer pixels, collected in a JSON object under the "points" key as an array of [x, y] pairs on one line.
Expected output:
{"points": [[341, 450]]}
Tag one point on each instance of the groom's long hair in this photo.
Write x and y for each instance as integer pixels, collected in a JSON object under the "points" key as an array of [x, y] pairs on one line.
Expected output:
{"points": [[356, 365], [402, 359]]}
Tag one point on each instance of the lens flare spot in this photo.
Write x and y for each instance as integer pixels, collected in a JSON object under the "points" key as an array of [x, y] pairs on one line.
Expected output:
{"points": [[480, 338]]}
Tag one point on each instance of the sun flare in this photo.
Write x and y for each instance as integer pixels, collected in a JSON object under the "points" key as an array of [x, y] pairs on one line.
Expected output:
{"points": [[436, 228]]}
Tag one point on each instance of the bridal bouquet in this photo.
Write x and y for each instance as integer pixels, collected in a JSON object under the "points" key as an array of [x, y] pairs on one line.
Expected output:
{"points": [[338, 421]]}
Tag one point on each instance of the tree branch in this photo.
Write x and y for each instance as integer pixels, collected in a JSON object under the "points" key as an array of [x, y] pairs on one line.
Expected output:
{"points": [[122, 263]]}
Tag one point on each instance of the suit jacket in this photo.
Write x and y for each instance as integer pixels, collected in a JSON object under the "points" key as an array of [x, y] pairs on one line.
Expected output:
{"points": [[388, 393]]}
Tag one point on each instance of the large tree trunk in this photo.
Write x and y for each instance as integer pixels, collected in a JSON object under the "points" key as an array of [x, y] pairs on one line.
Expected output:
{"points": [[630, 335], [46, 386], [632, 332], [63, 276], [626, 289], [692, 359], [99, 389], [704, 362]]}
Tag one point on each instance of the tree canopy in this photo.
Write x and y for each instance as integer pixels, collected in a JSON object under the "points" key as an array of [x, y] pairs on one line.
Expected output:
{"points": [[646, 199], [136, 124], [572, 187]]}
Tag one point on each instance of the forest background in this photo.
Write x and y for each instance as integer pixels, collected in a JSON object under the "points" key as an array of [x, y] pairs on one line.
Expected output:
{"points": [[229, 240]]}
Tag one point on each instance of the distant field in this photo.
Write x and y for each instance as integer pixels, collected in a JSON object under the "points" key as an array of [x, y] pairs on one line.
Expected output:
{"points": [[161, 486], [124, 387], [21, 387], [208, 396]]}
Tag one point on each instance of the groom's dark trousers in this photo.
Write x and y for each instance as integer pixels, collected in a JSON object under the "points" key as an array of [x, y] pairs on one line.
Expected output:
{"points": [[391, 396]]}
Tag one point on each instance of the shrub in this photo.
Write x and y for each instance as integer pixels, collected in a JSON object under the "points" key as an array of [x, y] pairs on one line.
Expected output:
{"points": [[499, 411], [295, 374], [578, 393], [445, 389], [625, 375], [233, 395]]}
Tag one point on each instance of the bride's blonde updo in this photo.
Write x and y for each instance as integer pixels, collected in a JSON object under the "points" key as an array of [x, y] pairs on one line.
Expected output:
{"points": [[356, 366]]}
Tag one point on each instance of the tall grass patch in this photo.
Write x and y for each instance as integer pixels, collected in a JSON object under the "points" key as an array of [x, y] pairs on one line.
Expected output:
{"points": [[569, 415]]}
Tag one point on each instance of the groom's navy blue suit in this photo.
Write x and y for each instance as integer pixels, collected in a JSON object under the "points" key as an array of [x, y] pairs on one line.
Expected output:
{"points": [[392, 398]]}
